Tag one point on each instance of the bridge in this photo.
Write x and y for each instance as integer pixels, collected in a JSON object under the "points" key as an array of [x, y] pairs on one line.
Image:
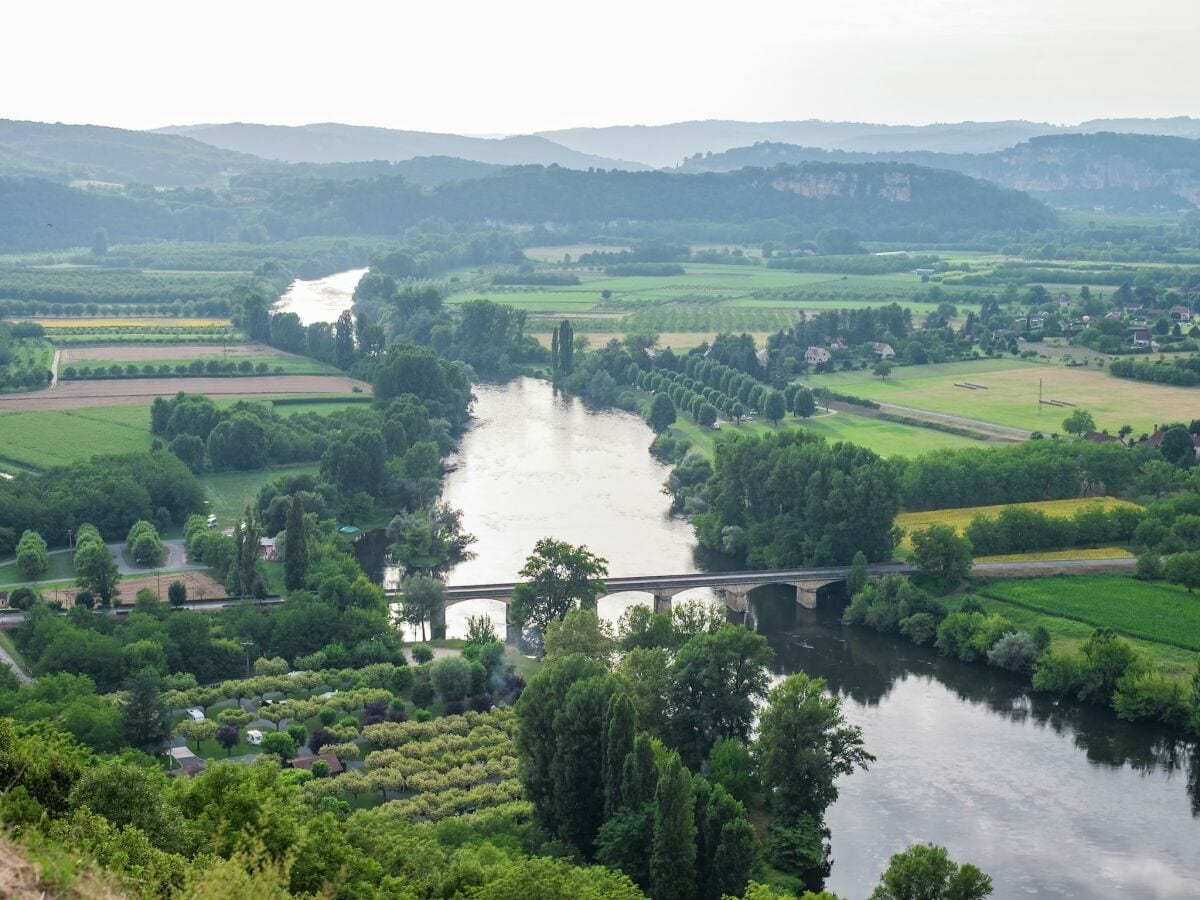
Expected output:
{"points": [[733, 588]]}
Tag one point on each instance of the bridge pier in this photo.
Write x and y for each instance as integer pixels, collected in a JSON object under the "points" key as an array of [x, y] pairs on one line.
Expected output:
{"points": [[513, 631], [662, 604], [437, 624], [736, 598], [806, 596]]}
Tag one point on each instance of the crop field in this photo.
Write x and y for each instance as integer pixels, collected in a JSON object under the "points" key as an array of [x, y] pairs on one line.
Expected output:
{"points": [[80, 394], [885, 438], [165, 367], [40, 440], [77, 325], [960, 518], [154, 352], [94, 284], [1011, 395], [1153, 611], [707, 297]]}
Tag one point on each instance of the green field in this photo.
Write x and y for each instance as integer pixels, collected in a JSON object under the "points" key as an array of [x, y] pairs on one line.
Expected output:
{"points": [[40, 440], [295, 409], [61, 569], [885, 438], [1011, 397], [708, 297], [1153, 611], [1072, 608], [229, 493]]}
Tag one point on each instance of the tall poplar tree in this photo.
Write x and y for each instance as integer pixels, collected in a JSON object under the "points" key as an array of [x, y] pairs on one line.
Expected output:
{"points": [[295, 560], [620, 728], [673, 856]]}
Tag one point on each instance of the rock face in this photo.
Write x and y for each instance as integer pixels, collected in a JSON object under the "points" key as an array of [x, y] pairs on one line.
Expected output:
{"points": [[1135, 171], [893, 187]]}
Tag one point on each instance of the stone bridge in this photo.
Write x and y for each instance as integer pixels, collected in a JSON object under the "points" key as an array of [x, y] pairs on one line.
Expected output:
{"points": [[732, 587]]}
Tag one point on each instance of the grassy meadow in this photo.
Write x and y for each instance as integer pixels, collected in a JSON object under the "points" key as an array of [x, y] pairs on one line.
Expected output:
{"points": [[1011, 397], [961, 517], [229, 493], [43, 439]]}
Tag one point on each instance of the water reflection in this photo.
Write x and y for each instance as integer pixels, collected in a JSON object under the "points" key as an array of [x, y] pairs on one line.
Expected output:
{"points": [[321, 299], [1052, 799]]}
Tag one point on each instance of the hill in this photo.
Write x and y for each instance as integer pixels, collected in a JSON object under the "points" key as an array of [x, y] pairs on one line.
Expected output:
{"points": [[335, 143], [1118, 171], [665, 145], [881, 201], [97, 153]]}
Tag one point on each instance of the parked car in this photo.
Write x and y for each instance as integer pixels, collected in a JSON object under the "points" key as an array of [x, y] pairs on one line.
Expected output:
{"points": [[196, 714], [212, 520], [254, 736]]}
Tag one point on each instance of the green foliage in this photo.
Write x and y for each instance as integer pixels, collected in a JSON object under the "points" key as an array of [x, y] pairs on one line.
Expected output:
{"points": [[926, 872], [620, 728], [32, 559], [942, 556], [451, 677], [673, 852], [295, 559], [557, 576], [580, 631], [577, 769], [662, 413], [730, 766], [714, 681]]}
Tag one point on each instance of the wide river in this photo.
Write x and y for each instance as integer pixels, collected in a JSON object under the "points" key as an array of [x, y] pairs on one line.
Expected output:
{"points": [[1051, 800]]}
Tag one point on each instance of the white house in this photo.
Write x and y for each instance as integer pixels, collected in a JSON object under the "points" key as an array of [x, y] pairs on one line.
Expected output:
{"points": [[815, 356]]}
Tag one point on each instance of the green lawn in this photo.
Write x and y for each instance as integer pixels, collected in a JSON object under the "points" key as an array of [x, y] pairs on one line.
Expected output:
{"points": [[61, 569], [229, 493], [1011, 394], [1153, 611], [294, 409], [40, 440], [885, 438]]}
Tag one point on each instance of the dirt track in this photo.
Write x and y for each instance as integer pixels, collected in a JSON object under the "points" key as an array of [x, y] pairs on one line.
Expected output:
{"points": [[148, 352], [115, 392]]}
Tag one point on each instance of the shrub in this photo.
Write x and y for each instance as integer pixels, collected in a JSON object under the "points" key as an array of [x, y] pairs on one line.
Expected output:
{"points": [[1151, 697], [422, 693], [452, 677], [422, 653], [1015, 652]]}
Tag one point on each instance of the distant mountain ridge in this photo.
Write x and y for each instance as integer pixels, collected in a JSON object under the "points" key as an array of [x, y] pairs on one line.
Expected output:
{"points": [[666, 145], [335, 143], [1129, 171]]}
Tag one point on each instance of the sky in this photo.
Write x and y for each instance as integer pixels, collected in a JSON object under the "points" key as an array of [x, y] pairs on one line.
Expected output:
{"points": [[527, 65]]}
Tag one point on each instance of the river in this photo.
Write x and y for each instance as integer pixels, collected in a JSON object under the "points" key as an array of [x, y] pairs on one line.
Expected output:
{"points": [[1052, 800], [322, 299]]}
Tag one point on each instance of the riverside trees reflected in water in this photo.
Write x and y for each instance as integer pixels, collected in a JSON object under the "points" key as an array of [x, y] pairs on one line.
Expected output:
{"points": [[1052, 800]]}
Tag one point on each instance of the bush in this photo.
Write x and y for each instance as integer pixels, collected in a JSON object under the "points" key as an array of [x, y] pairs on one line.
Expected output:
{"points": [[422, 693], [1149, 567], [1014, 652], [422, 653], [452, 677], [1151, 697]]}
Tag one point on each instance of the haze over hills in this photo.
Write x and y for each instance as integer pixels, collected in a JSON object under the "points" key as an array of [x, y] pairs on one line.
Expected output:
{"points": [[666, 145], [335, 143], [1126, 171]]}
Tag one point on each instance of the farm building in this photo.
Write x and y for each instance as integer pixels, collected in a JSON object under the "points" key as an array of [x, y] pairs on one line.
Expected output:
{"points": [[882, 350], [815, 356]]}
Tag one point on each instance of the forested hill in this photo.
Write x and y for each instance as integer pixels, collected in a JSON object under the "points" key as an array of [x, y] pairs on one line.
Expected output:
{"points": [[335, 143], [97, 153], [1118, 171], [881, 201]]}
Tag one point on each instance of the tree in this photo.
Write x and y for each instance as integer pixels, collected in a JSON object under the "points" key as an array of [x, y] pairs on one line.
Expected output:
{"points": [[673, 854], [856, 579], [1184, 568], [882, 369], [295, 551], [577, 768], [1177, 447], [714, 681], [203, 730], [280, 743], [926, 872], [422, 599], [662, 413], [731, 766], [244, 578], [451, 676], [227, 736], [32, 558], [804, 404], [177, 593], [1079, 422], [96, 570], [145, 715], [774, 408], [943, 557], [579, 631], [804, 744], [558, 575], [145, 546], [620, 727]]}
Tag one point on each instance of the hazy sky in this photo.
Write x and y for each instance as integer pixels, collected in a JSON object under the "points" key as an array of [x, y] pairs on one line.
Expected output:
{"points": [[525, 65]]}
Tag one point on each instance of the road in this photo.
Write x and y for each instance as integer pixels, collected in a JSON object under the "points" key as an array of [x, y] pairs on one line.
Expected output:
{"points": [[176, 561]]}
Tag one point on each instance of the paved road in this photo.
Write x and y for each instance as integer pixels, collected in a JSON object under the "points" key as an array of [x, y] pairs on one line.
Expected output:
{"points": [[54, 368], [979, 424], [176, 561], [6, 659]]}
